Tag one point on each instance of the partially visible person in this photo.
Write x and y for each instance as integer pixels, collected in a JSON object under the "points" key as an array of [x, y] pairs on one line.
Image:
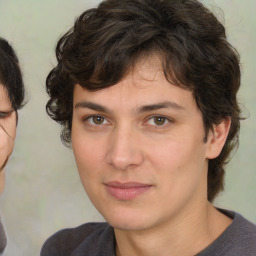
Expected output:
{"points": [[11, 99]]}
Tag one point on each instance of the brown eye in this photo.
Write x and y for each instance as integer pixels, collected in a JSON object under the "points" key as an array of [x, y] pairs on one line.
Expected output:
{"points": [[98, 120], [159, 120]]}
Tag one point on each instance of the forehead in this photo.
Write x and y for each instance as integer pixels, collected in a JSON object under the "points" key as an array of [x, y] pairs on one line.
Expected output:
{"points": [[149, 68], [144, 83]]}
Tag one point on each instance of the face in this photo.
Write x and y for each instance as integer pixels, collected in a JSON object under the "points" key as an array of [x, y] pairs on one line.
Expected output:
{"points": [[139, 149], [7, 131]]}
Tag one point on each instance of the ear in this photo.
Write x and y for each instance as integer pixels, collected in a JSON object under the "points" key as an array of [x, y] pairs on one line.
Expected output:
{"points": [[217, 138]]}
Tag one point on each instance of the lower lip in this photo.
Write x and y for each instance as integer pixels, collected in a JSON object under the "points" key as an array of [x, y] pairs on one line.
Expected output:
{"points": [[127, 193]]}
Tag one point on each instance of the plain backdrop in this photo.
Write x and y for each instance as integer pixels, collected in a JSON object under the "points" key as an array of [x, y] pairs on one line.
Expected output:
{"points": [[43, 192]]}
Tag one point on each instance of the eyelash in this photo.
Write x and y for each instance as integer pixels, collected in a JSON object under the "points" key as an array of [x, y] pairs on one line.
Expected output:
{"points": [[90, 121], [165, 119], [87, 119], [4, 114]]}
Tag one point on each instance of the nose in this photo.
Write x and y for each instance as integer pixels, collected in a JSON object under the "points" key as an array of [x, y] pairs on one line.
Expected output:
{"points": [[125, 151]]}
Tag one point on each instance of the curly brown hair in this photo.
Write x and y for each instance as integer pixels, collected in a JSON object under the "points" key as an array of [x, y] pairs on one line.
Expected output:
{"points": [[106, 42]]}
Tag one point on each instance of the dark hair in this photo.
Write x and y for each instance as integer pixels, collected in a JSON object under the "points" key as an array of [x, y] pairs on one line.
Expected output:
{"points": [[10, 75], [106, 42]]}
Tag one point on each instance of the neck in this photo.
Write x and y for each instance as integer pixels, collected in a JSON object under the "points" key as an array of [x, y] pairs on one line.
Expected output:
{"points": [[187, 234]]}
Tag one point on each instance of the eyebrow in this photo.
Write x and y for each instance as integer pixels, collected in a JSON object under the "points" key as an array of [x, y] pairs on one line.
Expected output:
{"points": [[90, 105], [165, 104], [141, 109]]}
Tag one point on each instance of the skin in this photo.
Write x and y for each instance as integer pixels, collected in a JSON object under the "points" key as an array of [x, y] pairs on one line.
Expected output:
{"points": [[148, 131], [7, 132]]}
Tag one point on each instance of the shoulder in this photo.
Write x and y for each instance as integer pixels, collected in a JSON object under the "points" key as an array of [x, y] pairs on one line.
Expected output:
{"points": [[238, 239], [75, 240], [244, 234]]}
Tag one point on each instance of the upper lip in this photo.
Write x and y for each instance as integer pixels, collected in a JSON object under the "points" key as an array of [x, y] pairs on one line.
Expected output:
{"points": [[117, 184]]}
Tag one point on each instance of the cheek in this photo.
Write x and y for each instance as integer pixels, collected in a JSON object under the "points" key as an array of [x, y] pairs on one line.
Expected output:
{"points": [[180, 160], [10, 124], [89, 156], [168, 154], [179, 170], [90, 165], [6, 146]]}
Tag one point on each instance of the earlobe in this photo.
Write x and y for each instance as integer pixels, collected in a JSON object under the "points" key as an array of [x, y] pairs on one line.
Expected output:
{"points": [[217, 138]]}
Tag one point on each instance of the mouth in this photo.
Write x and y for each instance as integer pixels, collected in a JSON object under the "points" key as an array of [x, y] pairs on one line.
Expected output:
{"points": [[126, 191]]}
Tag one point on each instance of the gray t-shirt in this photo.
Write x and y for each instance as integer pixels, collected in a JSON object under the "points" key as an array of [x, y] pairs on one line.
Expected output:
{"points": [[3, 240], [97, 239]]}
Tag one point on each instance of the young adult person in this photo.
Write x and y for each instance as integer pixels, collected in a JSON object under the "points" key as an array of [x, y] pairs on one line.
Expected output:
{"points": [[146, 93], [11, 99]]}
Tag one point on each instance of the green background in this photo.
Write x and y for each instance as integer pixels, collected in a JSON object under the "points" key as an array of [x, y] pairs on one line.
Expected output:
{"points": [[43, 193]]}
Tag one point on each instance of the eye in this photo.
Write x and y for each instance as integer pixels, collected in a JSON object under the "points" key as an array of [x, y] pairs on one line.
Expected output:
{"points": [[96, 120], [5, 114], [158, 120]]}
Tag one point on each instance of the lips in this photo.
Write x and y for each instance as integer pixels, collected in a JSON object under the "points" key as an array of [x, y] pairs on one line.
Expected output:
{"points": [[126, 191]]}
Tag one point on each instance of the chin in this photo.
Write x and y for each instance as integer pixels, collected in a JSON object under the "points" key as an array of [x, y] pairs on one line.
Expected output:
{"points": [[129, 220], [127, 225]]}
